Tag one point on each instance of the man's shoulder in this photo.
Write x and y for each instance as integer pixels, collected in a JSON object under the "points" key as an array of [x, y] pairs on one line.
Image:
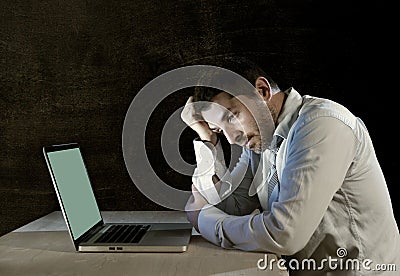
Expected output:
{"points": [[317, 107], [318, 104]]}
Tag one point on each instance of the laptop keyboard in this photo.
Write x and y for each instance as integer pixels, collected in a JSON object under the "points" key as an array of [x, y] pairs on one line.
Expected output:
{"points": [[123, 233]]}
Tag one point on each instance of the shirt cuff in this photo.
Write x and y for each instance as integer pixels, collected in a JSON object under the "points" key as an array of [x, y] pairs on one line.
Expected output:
{"points": [[210, 161], [206, 155], [208, 222]]}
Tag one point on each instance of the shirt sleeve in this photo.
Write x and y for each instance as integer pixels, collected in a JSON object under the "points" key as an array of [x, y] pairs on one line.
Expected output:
{"points": [[233, 196], [318, 158]]}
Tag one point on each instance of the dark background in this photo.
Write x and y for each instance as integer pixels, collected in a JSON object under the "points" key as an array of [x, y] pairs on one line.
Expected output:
{"points": [[70, 69]]}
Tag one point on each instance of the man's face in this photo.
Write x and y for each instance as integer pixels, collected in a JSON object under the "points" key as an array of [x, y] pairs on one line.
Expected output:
{"points": [[244, 120]]}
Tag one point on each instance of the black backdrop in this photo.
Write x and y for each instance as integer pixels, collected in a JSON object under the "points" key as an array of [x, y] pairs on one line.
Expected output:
{"points": [[70, 69]]}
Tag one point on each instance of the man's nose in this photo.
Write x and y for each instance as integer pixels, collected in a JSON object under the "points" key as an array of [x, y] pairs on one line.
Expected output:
{"points": [[234, 137]]}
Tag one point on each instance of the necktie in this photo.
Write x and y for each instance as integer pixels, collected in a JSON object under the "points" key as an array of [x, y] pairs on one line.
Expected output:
{"points": [[273, 174]]}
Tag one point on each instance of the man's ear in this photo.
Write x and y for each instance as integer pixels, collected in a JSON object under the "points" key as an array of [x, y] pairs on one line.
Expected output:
{"points": [[263, 87]]}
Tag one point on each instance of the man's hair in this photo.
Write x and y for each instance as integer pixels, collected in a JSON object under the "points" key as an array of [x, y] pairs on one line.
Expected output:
{"points": [[240, 65]]}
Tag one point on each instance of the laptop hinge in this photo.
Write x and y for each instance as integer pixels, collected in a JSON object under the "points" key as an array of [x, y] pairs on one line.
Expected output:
{"points": [[89, 234]]}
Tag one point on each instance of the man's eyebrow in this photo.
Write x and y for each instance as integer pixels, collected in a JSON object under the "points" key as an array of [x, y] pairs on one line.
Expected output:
{"points": [[225, 114]]}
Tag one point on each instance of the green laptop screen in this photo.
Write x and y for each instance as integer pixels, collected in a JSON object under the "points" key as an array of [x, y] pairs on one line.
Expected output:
{"points": [[74, 190]]}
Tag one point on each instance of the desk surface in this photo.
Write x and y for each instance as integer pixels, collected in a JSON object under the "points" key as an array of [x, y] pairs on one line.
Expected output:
{"points": [[43, 247]]}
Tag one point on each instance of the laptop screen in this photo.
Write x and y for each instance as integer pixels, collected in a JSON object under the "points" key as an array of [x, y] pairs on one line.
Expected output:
{"points": [[74, 189]]}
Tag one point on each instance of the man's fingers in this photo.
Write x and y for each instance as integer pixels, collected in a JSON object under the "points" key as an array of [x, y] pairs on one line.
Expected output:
{"points": [[190, 100], [188, 114], [189, 111]]}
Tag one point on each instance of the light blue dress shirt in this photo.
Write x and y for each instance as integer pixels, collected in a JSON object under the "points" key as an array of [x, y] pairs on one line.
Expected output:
{"points": [[332, 195]]}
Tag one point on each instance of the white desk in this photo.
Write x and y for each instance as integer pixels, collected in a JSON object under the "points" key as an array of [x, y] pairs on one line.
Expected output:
{"points": [[43, 247]]}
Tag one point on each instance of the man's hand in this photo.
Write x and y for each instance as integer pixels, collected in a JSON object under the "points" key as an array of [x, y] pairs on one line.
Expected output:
{"points": [[197, 123], [193, 207]]}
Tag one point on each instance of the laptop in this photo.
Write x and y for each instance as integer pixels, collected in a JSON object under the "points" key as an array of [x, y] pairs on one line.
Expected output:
{"points": [[83, 218]]}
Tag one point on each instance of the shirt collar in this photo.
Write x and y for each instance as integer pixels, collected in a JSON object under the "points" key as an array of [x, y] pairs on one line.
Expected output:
{"points": [[289, 113]]}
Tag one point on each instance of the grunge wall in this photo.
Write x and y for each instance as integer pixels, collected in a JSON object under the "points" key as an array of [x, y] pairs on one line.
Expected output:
{"points": [[70, 69]]}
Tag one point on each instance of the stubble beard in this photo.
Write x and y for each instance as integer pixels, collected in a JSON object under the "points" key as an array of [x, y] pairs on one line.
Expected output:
{"points": [[263, 137]]}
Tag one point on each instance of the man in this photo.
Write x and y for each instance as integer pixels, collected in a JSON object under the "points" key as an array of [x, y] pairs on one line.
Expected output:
{"points": [[308, 164]]}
